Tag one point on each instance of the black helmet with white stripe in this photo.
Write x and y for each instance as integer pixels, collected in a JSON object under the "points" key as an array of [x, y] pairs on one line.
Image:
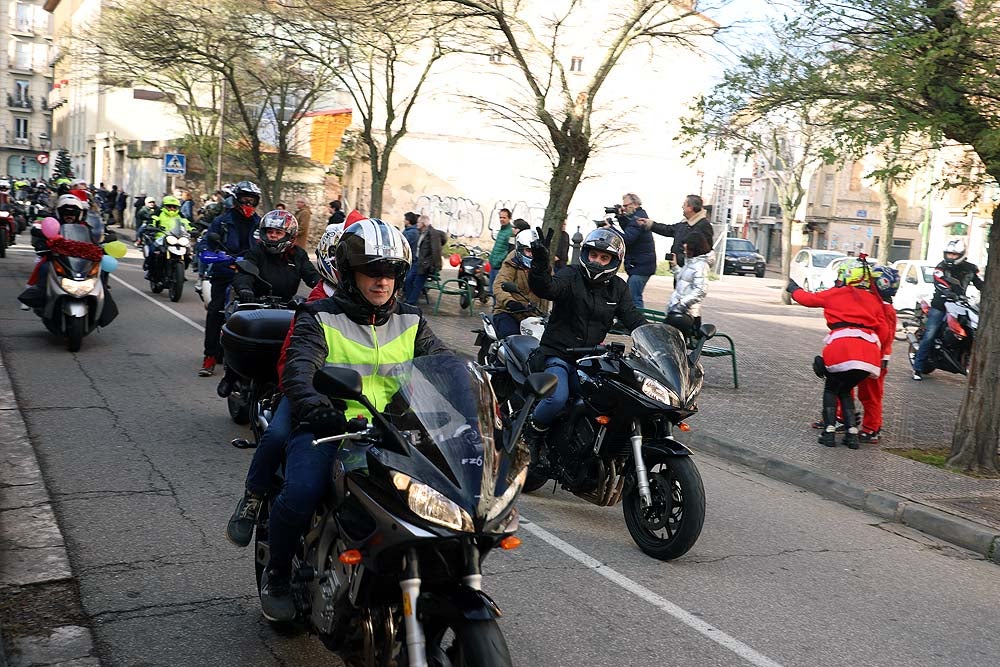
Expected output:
{"points": [[374, 248], [604, 240]]}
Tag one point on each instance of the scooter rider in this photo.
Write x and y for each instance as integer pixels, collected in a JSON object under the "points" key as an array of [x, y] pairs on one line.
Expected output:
{"points": [[280, 263], [234, 231], [586, 299], [951, 278], [267, 455], [510, 309], [363, 326]]}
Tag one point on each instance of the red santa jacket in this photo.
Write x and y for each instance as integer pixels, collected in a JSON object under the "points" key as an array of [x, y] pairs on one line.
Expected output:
{"points": [[858, 327]]}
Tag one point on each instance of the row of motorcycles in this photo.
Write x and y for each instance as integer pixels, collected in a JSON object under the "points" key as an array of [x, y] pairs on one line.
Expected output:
{"points": [[390, 572]]}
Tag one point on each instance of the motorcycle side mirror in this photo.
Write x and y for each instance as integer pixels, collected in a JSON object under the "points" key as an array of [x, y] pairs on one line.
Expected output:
{"points": [[708, 330], [542, 384], [508, 286], [338, 383]]}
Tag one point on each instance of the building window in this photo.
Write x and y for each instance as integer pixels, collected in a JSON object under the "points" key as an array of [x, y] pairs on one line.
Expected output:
{"points": [[21, 96], [22, 55], [23, 17], [576, 64], [496, 54], [21, 130], [827, 197]]}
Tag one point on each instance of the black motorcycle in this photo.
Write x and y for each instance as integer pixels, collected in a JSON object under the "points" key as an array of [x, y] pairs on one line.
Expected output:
{"points": [[952, 350], [474, 275], [169, 253], [390, 572], [251, 341], [615, 442]]}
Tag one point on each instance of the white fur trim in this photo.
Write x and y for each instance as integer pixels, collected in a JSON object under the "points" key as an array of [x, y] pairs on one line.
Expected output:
{"points": [[854, 364], [850, 333]]}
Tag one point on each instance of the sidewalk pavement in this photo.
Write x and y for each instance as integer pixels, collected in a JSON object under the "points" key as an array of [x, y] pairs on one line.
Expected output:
{"points": [[765, 424]]}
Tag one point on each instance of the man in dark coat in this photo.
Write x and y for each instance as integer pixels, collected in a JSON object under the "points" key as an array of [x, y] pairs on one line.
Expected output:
{"points": [[428, 259], [640, 251], [695, 220]]}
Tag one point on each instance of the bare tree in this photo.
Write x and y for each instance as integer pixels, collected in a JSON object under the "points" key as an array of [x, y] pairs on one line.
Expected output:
{"points": [[557, 117]]}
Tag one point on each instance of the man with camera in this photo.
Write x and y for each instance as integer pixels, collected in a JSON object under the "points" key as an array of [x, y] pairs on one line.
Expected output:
{"points": [[640, 251], [695, 220]]}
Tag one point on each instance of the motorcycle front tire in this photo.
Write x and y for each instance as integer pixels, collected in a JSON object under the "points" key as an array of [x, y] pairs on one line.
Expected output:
{"points": [[177, 285], [74, 333], [477, 644], [643, 525]]}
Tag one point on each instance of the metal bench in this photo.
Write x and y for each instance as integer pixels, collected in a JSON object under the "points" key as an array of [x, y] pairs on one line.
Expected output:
{"points": [[658, 317], [452, 286]]}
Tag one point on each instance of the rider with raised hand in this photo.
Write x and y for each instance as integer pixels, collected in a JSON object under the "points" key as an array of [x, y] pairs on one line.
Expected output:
{"points": [[234, 233], [281, 265], [362, 326], [510, 308], [951, 278], [586, 300], [267, 455]]}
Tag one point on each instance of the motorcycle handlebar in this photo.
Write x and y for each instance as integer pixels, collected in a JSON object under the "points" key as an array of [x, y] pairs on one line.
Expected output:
{"points": [[597, 349]]}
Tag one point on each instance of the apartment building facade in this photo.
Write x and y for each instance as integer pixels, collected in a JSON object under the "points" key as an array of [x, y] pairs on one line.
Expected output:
{"points": [[26, 78]]}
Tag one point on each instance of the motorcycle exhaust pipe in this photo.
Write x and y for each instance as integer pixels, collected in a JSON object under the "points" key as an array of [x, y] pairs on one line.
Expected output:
{"points": [[912, 339]]}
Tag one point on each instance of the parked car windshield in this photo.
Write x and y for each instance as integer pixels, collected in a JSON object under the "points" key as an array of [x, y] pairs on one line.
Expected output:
{"points": [[739, 245], [928, 272], [822, 259]]}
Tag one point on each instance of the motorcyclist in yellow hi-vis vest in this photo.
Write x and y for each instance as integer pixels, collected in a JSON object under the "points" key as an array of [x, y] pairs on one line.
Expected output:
{"points": [[363, 326]]}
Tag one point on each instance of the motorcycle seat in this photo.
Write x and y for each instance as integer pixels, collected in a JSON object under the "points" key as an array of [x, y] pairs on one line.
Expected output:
{"points": [[521, 348]]}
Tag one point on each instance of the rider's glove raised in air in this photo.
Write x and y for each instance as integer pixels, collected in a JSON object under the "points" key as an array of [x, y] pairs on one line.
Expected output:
{"points": [[324, 421], [540, 247]]}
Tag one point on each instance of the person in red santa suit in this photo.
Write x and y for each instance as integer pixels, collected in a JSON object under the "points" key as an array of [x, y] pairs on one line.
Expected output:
{"points": [[853, 349]]}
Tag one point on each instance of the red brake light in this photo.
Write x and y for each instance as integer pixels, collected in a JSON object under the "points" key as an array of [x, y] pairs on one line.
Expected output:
{"points": [[955, 327]]}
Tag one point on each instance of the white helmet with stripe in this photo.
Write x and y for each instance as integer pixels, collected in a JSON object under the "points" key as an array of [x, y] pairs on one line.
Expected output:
{"points": [[374, 248], [326, 248]]}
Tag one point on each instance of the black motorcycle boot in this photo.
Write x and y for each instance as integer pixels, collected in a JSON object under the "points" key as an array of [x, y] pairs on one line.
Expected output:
{"points": [[227, 384], [239, 530], [534, 437], [828, 437], [276, 596]]}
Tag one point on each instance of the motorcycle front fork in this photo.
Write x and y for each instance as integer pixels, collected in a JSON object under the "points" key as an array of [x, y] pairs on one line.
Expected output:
{"points": [[416, 641], [640, 466]]}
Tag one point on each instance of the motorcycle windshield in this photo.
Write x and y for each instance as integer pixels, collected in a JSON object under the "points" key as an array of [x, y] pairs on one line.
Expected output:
{"points": [[175, 227], [79, 266], [664, 351], [446, 410]]}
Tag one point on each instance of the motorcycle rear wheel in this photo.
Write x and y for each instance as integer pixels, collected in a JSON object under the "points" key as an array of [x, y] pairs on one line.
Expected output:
{"points": [[678, 508], [534, 481], [177, 286], [239, 409]]}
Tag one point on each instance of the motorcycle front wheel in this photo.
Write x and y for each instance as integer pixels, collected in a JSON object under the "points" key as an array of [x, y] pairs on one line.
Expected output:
{"points": [[74, 333], [475, 644], [177, 285], [670, 526]]}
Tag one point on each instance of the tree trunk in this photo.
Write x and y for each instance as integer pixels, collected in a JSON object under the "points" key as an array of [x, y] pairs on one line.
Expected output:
{"points": [[565, 179], [977, 431], [890, 211], [787, 220]]}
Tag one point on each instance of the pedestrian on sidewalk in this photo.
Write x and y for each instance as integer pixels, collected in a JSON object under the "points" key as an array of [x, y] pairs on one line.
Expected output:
{"points": [[684, 307], [428, 257], [304, 215], [501, 247], [695, 220], [640, 250], [852, 350]]}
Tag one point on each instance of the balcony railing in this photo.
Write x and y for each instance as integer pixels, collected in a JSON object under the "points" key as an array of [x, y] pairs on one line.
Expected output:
{"points": [[32, 142], [18, 102]]}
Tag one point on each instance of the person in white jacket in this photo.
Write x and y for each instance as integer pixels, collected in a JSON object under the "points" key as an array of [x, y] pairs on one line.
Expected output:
{"points": [[684, 307]]}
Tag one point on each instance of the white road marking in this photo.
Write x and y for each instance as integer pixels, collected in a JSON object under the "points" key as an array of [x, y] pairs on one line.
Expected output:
{"points": [[682, 615], [153, 301]]}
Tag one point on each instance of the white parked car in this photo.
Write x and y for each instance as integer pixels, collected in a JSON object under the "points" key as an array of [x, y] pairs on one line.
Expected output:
{"points": [[808, 267], [916, 282]]}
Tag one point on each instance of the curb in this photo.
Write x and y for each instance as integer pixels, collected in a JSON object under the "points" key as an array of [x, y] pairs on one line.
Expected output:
{"points": [[978, 538], [32, 546]]}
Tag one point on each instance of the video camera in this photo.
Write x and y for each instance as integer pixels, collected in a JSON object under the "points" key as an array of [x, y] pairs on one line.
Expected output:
{"points": [[614, 210], [612, 213]]}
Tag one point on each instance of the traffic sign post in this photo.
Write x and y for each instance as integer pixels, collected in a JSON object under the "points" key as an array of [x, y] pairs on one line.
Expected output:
{"points": [[174, 164], [42, 158]]}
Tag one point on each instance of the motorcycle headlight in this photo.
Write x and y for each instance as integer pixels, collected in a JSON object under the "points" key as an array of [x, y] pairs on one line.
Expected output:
{"points": [[432, 505], [503, 503], [658, 392], [183, 240], [171, 239], [78, 287]]}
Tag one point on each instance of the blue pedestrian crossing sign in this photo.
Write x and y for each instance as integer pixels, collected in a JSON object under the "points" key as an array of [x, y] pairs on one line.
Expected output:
{"points": [[174, 164]]}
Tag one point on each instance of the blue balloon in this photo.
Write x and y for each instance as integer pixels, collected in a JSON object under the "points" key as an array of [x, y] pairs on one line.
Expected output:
{"points": [[108, 263]]}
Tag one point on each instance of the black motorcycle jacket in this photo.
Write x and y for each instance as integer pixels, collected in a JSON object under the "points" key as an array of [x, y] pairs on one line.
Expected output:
{"points": [[284, 271], [953, 280], [582, 311], [400, 334]]}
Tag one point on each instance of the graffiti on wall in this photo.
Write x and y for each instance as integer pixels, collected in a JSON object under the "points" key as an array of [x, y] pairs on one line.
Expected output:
{"points": [[456, 215]]}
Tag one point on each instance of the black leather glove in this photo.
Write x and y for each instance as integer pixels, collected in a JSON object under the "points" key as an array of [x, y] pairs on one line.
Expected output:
{"points": [[246, 296], [324, 421], [540, 247], [515, 306], [792, 286]]}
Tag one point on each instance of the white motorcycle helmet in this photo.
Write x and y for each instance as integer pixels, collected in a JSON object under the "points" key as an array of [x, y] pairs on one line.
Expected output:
{"points": [[522, 247], [326, 249], [954, 247]]}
